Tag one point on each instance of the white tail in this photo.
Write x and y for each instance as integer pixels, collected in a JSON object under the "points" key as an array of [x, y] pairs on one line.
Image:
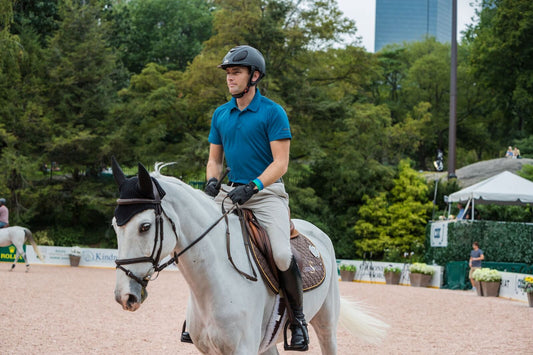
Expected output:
{"points": [[360, 323], [29, 237]]}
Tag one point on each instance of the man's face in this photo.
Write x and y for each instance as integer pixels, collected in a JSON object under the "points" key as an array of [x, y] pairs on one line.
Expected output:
{"points": [[237, 79]]}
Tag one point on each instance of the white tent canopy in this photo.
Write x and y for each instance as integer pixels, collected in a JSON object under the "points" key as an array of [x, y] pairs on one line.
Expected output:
{"points": [[505, 188]]}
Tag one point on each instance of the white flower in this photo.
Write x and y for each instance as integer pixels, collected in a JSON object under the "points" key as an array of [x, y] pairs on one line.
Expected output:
{"points": [[75, 251]]}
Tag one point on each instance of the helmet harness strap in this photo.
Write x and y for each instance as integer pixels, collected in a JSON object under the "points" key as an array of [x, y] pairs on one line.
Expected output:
{"points": [[250, 84]]}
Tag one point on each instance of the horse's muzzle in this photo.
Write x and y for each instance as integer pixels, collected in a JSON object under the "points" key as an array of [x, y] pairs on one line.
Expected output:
{"points": [[131, 301]]}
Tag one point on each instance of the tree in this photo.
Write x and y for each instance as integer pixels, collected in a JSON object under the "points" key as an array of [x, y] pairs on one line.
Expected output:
{"points": [[41, 16], [501, 59], [166, 32], [80, 69], [395, 219]]}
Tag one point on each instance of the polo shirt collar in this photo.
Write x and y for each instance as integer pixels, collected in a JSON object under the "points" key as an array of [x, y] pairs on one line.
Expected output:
{"points": [[253, 106]]}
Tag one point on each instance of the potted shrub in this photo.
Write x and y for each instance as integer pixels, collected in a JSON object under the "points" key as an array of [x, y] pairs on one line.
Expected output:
{"points": [[75, 256], [347, 272], [489, 280], [392, 275], [528, 289], [420, 274]]}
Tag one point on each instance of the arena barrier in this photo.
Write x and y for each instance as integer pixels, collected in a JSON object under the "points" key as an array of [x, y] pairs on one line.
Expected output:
{"points": [[367, 271], [90, 257], [372, 272]]}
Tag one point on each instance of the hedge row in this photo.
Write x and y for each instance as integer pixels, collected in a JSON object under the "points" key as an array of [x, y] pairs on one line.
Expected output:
{"points": [[502, 242]]}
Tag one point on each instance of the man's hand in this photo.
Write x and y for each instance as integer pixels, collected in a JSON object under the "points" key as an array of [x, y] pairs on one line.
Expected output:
{"points": [[243, 193], [211, 187]]}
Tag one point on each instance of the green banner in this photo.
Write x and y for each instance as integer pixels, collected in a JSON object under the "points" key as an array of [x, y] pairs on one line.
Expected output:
{"points": [[7, 254]]}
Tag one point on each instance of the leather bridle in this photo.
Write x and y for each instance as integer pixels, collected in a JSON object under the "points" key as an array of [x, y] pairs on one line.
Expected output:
{"points": [[154, 258]]}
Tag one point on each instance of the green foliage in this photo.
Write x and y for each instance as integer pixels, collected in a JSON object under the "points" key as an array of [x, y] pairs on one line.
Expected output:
{"points": [[66, 96], [346, 267], [40, 16], [42, 238], [526, 172], [421, 268], [525, 145], [393, 269], [501, 60], [395, 219], [528, 284], [166, 32], [486, 275], [500, 242], [80, 89]]}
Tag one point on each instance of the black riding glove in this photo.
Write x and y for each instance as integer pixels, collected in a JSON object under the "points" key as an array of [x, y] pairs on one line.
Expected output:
{"points": [[243, 193], [211, 187]]}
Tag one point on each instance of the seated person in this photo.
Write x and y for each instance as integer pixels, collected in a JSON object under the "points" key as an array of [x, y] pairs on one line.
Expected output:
{"points": [[461, 213]]}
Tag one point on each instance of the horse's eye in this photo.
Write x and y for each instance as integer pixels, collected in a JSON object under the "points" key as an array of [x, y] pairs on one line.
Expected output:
{"points": [[144, 227]]}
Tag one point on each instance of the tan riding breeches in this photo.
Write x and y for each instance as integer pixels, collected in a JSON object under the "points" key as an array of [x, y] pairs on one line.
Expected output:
{"points": [[271, 208]]}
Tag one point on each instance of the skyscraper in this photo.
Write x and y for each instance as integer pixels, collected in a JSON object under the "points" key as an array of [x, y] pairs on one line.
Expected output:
{"points": [[412, 20]]}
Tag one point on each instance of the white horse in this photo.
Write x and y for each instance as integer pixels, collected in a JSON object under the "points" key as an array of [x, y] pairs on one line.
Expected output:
{"points": [[227, 313], [18, 236]]}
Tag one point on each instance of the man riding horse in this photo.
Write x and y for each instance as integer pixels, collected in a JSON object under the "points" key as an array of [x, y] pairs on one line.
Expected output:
{"points": [[253, 134], [4, 214]]}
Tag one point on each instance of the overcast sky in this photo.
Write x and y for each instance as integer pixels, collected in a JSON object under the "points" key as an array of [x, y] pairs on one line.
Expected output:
{"points": [[364, 14]]}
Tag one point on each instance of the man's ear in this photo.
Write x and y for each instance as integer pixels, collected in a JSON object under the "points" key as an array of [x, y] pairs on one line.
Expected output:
{"points": [[256, 76]]}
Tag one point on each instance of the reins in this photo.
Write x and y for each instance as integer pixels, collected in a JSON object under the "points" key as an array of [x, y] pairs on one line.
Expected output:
{"points": [[154, 258]]}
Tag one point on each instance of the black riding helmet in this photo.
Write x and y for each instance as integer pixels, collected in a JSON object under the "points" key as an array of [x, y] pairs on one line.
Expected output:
{"points": [[245, 56]]}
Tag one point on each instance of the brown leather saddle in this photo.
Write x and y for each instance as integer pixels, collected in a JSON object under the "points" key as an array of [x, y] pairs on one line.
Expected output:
{"points": [[307, 255]]}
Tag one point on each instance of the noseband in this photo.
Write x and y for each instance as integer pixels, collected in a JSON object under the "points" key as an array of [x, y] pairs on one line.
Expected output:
{"points": [[154, 258]]}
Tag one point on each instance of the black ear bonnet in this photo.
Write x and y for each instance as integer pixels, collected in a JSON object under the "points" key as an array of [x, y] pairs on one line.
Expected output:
{"points": [[129, 190], [142, 186]]}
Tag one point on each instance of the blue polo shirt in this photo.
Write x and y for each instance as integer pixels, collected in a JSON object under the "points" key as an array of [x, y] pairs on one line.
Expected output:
{"points": [[246, 135]]}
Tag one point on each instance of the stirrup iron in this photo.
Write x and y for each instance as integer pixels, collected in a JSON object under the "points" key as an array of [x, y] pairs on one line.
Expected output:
{"points": [[185, 336], [303, 328]]}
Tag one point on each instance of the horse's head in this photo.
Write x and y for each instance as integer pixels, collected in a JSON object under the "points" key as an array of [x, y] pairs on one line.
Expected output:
{"points": [[140, 229]]}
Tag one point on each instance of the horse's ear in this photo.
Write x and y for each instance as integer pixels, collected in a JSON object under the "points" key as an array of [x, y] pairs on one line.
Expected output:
{"points": [[117, 172], [145, 181]]}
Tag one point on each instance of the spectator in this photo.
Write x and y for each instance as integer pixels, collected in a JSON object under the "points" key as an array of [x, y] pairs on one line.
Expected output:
{"points": [[4, 214], [476, 256], [509, 153], [516, 153], [461, 212]]}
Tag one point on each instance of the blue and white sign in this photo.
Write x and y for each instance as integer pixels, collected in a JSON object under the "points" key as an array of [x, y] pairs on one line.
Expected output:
{"points": [[439, 234]]}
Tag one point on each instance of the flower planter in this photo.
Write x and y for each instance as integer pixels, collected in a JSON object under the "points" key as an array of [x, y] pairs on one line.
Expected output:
{"points": [[74, 260], [530, 299], [420, 280], [347, 275], [490, 289], [479, 288], [392, 278]]}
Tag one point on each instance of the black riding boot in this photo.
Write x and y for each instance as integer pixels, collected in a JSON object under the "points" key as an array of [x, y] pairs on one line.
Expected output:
{"points": [[291, 283]]}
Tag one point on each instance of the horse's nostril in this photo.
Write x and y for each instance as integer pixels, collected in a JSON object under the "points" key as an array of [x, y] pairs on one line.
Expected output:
{"points": [[131, 299]]}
